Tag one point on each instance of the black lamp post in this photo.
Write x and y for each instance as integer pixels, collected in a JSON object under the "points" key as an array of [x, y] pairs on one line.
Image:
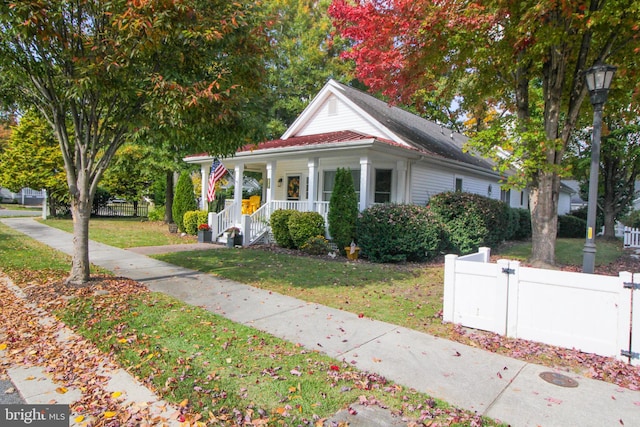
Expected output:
{"points": [[598, 80]]}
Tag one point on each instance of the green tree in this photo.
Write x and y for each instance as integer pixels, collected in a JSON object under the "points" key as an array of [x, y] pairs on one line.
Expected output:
{"points": [[130, 174], [102, 72], [524, 59], [619, 168], [185, 199], [31, 158], [343, 210], [304, 56]]}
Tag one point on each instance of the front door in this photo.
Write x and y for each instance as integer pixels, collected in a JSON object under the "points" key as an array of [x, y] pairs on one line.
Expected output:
{"points": [[293, 187]]}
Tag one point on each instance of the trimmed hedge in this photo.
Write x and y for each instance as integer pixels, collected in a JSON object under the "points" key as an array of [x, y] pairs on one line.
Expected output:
{"points": [[280, 227], [471, 220], [305, 225], [523, 231], [184, 200], [193, 219], [343, 210], [571, 226], [398, 233]]}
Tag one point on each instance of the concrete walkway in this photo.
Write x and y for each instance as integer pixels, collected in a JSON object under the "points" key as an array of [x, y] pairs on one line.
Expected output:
{"points": [[496, 386]]}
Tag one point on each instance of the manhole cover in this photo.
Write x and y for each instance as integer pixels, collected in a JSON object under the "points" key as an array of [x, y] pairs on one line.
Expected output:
{"points": [[558, 379]]}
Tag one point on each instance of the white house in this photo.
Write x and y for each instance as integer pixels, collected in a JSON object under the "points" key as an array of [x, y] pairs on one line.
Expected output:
{"points": [[394, 156]]}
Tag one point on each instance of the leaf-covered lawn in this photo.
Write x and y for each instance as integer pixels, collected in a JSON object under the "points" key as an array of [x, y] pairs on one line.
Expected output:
{"points": [[213, 370]]}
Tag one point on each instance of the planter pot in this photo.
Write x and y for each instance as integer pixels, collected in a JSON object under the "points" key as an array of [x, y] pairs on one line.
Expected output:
{"points": [[205, 236], [354, 255], [232, 242], [173, 228]]}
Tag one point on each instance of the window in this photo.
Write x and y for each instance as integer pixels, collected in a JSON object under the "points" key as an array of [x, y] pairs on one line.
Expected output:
{"points": [[505, 196], [458, 184], [522, 198], [329, 181], [383, 186], [333, 106]]}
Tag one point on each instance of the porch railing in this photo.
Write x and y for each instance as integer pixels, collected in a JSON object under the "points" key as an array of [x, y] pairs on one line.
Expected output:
{"points": [[221, 221], [255, 225]]}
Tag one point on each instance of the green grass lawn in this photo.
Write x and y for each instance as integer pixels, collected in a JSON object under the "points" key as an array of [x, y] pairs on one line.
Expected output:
{"points": [[16, 207], [126, 232], [568, 251]]}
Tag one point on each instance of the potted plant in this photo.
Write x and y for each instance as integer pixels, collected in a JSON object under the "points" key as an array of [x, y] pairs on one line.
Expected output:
{"points": [[204, 233], [234, 238]]}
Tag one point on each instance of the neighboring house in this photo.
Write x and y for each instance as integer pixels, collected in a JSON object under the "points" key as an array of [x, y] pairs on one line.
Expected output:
{"points": [[394, 156], [26, 196]]}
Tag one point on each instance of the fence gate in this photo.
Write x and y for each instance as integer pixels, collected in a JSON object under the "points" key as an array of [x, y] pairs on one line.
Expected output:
{"points": [[629, 353], [631, 237]]}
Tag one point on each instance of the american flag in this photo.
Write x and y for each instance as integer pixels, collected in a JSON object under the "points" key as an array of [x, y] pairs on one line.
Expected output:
{"points": [[217, 171]]}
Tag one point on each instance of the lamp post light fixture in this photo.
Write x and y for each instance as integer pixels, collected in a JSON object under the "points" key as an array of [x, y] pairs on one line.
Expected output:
{"points": [[598, 80]]}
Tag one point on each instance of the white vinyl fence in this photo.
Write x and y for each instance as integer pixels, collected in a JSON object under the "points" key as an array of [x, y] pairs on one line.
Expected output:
{"points": [[589, 312], [631, 237]]}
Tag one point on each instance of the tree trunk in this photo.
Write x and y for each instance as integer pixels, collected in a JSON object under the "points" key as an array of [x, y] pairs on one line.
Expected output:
{"points": [[543, 200], [168, 205], [609, 209], [81, 211]]}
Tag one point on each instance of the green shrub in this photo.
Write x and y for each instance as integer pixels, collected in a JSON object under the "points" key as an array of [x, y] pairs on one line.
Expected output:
{"points": [[304, 225], [632, 219], [156, 214], [465, 234], [316, 245], [192, 221], [184, 200], [398, 233], [571, 226], [523, 231], [343, 210], [478, 220], [100, 200], [280, 227], [582, 213]]}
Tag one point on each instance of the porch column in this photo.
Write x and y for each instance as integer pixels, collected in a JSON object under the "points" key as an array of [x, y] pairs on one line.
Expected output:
{"points": [[271, 180], [365, 179], [401, 182], [312, 164], [237, 195], [204, 187]]}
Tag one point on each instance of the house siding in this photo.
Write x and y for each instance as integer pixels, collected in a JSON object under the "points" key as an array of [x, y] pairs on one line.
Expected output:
{"points": [[429, 181], [343, 118]]}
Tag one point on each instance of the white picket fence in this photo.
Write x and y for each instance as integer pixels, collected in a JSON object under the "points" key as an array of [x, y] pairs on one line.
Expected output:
{"points": [[589, 312], [631, 237]]}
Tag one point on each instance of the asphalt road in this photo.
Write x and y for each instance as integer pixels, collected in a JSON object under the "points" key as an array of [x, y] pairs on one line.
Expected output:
{"points": [[8, 393]]}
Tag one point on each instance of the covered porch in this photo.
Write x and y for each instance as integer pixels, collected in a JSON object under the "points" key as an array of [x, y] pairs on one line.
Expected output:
{"points": [[302, 184]]}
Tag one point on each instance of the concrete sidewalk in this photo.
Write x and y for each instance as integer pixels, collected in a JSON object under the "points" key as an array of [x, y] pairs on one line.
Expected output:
{"points": [[496, 386]]}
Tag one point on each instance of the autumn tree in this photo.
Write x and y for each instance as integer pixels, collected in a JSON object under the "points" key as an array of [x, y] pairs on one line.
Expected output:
{"points": [[31, 158], [525, 59], [102, 72]]}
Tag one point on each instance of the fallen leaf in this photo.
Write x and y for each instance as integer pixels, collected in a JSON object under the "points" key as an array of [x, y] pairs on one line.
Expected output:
{"points": [[184, 403], [376, 360], [109, 414], [79, 419], [116, 394], [10, 390], [30, 377], [61, 390], [3, 346]]}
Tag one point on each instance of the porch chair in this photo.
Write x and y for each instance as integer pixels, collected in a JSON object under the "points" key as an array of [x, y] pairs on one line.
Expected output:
{"points": [[254, 204]]}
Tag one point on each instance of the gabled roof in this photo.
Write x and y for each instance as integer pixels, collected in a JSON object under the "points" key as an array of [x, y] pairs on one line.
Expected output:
{"points": [[418, 132], [319, 139]]}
